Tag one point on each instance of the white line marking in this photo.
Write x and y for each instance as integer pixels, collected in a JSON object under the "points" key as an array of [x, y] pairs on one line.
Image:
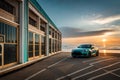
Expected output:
{"points": [[101, 61], [111, 72], [91, 65], [93, 59], [103, 74], [74, 72], [115, 74], [95, 70], [56, 63], [35, 74]]}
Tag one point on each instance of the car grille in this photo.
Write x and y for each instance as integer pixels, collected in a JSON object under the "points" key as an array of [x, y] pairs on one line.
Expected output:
{"points": [[77, 53]]}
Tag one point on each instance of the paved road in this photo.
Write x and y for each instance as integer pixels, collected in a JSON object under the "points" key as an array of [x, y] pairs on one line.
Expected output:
{"points": [[63, 67]]}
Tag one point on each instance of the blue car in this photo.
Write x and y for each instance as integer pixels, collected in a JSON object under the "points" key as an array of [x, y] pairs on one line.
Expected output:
{"points": [[85, 50]]}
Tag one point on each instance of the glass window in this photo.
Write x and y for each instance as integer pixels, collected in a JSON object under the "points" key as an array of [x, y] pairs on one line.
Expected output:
{"points": [[53, 45], [43, 45], [10, 50], [36, 45], [0, 60], [30, 40], [10, 53], [36, 50], [6, 6], [53, 33], [10, 33], [49, 31], [42, 28], [50, 46], [36, 39], [42, 25], [30, 54], [0, 55], [0, 49], [32, 21]]}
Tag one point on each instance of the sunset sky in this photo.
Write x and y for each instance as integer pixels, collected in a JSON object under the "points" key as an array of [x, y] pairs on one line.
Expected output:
{"points": [[86, 21]]}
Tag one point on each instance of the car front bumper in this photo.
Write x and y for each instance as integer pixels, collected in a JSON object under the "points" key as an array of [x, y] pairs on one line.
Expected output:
{"points": [[79, 54]]}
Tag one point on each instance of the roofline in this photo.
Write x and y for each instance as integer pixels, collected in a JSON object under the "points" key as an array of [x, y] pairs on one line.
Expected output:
{"points": [[43, 13]]}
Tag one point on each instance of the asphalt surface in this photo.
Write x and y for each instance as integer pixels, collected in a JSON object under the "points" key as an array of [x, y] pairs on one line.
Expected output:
{"points": [[63, 67]]}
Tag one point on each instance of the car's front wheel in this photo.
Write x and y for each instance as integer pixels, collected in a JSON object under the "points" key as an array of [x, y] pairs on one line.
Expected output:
{"points": [[97, 53]]}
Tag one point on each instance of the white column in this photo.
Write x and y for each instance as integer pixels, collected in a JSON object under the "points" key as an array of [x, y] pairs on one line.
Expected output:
{"points": [[21, 56], [47, 39]]}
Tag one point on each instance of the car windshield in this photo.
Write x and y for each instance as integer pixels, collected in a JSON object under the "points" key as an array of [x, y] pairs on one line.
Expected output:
{"points": [[84, 46]]}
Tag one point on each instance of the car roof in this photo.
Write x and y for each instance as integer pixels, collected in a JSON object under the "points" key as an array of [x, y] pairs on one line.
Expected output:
{"points": [[86, 44]]}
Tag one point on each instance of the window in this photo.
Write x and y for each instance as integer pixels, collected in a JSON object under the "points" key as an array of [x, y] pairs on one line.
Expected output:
{"points": [[56, 35], [43, 45], [9, 32], [36, 45], [0, 60], [50, 45], [6, 6], [32, 21], [42, 26], [53, 33], [10, 55], [49, 31], [0, 55], [53, 45], [30, 40], [10, 43], [33, 45]]}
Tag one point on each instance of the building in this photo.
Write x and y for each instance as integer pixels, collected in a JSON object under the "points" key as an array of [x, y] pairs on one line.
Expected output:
{"points": [[27, 34]]}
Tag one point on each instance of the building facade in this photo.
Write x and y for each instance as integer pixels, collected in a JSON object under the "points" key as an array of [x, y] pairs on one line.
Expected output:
{"points": [[26, 33]]}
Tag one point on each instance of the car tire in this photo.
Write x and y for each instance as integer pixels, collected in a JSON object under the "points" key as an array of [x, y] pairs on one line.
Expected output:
{"points": [[97, 53]]}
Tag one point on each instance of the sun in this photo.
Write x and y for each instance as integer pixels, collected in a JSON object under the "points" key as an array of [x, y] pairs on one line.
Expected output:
{"points": [[104, 40]]}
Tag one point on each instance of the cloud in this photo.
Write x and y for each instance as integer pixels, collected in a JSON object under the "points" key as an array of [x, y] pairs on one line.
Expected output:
{"points": [[107, 19], [76, 32]]}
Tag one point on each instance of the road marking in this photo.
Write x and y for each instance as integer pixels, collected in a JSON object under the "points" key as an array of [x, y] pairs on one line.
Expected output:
{"points": [[74, 72], [115, 74], [95, 70], [104, 74], [90, 65], [56, 63], [35, 74], [93, 59], [101, 61]]}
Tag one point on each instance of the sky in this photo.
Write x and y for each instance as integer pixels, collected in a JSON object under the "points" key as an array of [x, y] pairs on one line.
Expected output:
{"points": [[86, 21]]}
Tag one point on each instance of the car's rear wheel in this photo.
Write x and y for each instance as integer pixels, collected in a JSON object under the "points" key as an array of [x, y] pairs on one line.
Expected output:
{"points": [[97, 53]]}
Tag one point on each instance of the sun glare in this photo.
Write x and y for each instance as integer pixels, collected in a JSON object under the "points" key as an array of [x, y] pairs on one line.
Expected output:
{"points": [[104, 40]]}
